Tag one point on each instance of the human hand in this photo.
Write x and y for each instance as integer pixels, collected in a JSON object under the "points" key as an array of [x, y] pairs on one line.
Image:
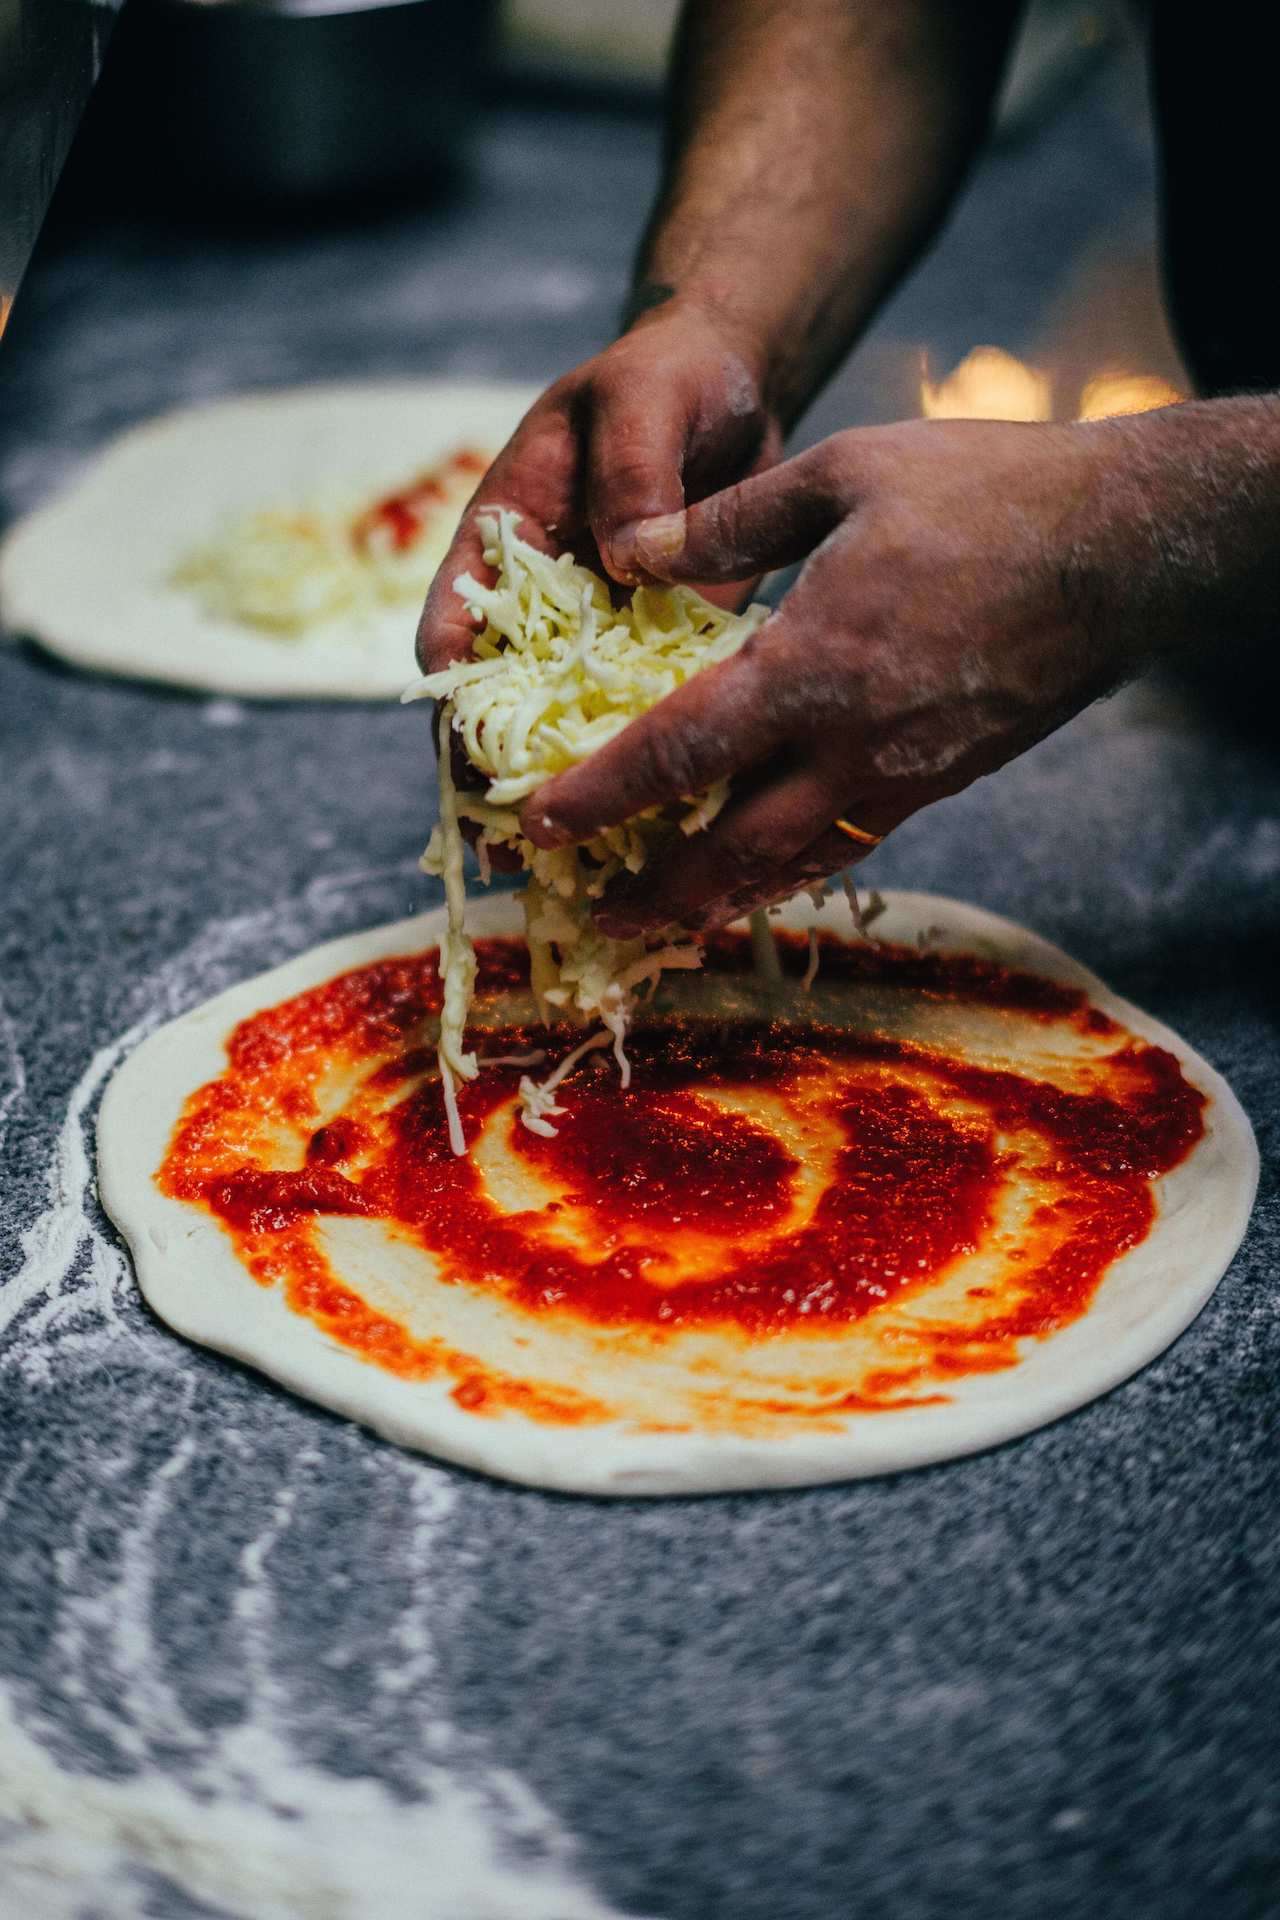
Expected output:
{"points": [[945, 619], [668, 413]]}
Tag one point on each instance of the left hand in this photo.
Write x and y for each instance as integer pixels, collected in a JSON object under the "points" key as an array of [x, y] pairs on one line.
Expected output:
{"points": [[949, 614]]}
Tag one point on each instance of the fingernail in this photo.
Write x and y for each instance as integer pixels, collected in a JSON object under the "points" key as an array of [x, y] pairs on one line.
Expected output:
{"points": [[544, 831], [621, 547], [656, 542]]}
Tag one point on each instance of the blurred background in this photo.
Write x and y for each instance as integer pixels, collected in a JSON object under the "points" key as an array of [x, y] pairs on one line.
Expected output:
{"points": [[273, 190]]}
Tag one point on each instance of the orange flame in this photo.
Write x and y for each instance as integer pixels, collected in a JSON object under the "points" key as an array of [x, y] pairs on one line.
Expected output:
{"points": [[1115, 392], [988, 384]]}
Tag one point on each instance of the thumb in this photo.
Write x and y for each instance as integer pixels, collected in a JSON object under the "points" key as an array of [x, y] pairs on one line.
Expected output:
{"points": [[635, 460], [660, 431], [771, 520]]}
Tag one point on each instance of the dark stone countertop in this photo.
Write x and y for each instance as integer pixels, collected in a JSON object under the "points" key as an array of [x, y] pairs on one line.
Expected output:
{"points": [[281, 1668]]}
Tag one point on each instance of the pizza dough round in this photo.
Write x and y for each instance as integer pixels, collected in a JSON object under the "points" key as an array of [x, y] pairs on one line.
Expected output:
{"points": [[189, 1271], [89, 575]]}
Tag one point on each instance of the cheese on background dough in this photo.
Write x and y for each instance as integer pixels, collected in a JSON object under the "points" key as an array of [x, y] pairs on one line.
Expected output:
{"points": [[293, 586], [285, 570]]}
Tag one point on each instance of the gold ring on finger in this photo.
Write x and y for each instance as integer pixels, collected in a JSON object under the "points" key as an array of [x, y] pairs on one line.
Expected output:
{"points": [[859, 835]]}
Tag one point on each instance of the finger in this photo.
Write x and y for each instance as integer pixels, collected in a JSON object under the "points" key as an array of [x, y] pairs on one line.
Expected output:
{"points": [[705, 472], [635, 464], [534, 477], [744, 850], [830, 852], [651, 450], [717, 724], [770, 520]]}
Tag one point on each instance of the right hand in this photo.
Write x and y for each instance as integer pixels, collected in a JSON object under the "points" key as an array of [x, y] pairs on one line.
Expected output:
{"points": [[671, 412]]}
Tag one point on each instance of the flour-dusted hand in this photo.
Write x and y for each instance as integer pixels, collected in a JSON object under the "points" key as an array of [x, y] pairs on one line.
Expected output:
{"points": [[667, 414], [968, 586]]}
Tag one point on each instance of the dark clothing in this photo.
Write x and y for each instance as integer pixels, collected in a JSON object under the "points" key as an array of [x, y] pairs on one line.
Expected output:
{"points": [[1215, 84]]}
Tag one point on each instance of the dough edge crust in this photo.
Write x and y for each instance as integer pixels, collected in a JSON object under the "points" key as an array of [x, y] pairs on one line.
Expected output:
{"points": [[191, 1277], [70, 579]]}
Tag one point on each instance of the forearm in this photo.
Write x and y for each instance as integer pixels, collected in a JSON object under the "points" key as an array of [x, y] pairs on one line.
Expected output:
{"points": [[813, 147], [969, 585], [1172, 550]]}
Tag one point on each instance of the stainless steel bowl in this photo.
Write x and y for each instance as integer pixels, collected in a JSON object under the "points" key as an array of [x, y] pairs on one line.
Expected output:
{"points": [[293, 100]]}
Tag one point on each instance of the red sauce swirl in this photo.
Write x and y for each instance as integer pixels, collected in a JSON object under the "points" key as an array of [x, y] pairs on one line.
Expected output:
{"points": [[763, 1179]]}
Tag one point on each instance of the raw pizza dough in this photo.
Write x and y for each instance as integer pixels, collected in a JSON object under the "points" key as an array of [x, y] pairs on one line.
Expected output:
{"points": [[88, 576], [193, 1278]]}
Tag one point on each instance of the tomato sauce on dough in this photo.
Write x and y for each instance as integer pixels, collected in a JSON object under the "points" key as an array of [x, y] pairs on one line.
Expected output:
{"points": [[768, 1176], [399, 518]]}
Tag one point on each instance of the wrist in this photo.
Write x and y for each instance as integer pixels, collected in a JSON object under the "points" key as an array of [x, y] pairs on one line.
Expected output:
{"points": [[703, 312], [1171, 549], [720, 312], [1100, 555]]}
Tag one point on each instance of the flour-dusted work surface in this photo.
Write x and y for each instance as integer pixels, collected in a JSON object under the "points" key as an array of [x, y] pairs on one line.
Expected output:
{"points": [[255, 1662]]}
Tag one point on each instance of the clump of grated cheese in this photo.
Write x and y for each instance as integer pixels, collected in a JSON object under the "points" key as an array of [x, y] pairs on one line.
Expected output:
{"points": [[556, 672]]}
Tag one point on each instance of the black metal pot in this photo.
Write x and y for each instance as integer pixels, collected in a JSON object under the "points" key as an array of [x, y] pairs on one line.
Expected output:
{"points": [[292, 100]]}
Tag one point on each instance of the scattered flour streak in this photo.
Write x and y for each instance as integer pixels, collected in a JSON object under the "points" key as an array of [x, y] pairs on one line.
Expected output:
{"points": [[254, 1608], [284, 1842], [431, 1498], [69, 1263], [52, 1245], [235, 1816], [249, 1827], [15, 1070]]}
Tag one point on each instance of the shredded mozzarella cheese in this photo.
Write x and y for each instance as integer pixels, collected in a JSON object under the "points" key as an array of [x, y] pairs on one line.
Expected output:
{"points": [[556, 672], [537, 1101]]}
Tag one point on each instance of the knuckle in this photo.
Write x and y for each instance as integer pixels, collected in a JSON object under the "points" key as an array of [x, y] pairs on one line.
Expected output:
{"points": [[898, 534], [716, 523], [827, 466], [835, 464], [722, 392], [666, 764], [624, 470], [559, 395], [745, 853], [740, 390]]}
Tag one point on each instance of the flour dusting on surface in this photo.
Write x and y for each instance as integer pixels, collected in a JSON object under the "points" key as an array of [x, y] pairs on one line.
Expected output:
{"points": [[186, 1760], [15, 1070]]}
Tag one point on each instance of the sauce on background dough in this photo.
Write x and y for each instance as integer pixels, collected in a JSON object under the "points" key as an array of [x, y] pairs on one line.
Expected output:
{"points": [[763, 1178], [399, 518]]}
